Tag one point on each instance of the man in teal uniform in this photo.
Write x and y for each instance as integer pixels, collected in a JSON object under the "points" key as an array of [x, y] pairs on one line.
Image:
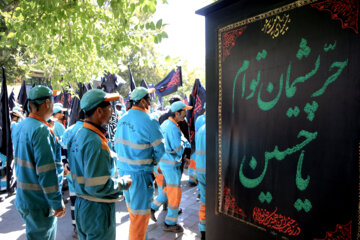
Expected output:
{"points": [[139, 145], [175, 144], [66, 140], [58, 114], [38, 197], [200, 158], [94, 175]]}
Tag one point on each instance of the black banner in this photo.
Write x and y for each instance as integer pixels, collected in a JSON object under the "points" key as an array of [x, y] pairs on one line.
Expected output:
{"points": [[288, 115]]}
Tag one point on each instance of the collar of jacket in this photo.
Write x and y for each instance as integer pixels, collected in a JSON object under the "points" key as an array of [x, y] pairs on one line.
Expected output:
{"points": [[173, 120], [97, 126], [139, 108], [93, 128], [37, 117]]}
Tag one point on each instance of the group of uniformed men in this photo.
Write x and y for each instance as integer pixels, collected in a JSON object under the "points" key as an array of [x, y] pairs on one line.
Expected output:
{"points": [[97, 176]]}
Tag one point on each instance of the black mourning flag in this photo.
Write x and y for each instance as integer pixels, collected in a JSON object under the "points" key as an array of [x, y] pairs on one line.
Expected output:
{"points": [[75, 104], [12, 100], [197, 98], [5, 139], [111, 82], [170, 83], [131, 81], [22, 94]]}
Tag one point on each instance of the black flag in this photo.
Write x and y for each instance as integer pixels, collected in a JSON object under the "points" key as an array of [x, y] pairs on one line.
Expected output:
{"points": [[12, 100], [170, 83], [22, 95], [75, 104], [111, 82], [197, 98], [5, 140], [131, 81]]}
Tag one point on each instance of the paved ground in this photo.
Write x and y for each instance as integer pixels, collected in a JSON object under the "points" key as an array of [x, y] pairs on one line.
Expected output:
{"points": [[12, 227]]}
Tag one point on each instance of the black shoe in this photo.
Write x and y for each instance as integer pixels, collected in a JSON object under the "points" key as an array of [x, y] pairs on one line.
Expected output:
{"points": [[152, 215], [173, 228], [75, 234], [202, 235], [180, 211], [192, 184]]}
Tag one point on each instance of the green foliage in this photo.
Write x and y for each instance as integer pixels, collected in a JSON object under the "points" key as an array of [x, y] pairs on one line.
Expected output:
{"points": [[74, 41]]}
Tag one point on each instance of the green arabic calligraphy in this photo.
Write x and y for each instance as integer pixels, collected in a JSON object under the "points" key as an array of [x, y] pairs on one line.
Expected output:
{"points": [[265, 106], [304, 49], [265, 197], [276, 154], [300, 182], [293, 112], [310, 109], [332, 78], [306, 205], [261, 55], [328, 47], [291, 90], [243, 68]]}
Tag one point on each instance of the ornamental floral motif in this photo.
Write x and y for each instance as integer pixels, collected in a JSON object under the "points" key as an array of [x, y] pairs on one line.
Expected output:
{"points": [[341, 232], [229, 203], [347, 11], [229, 39]]}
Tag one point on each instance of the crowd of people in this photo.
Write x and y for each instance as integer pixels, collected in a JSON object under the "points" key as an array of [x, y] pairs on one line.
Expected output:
{"points": [[147, 148]]}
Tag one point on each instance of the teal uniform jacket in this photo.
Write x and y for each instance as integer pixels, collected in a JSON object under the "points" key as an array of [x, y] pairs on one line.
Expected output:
{"points": [[200, 158], [67, 138], [92, 168], [70, 133], [138, 142], [59, 129], [35, 153], [175, 143], [201, 120], [200, 153]]}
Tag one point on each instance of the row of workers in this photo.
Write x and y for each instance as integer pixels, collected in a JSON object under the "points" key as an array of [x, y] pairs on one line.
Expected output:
{"points": [[96, 180]]}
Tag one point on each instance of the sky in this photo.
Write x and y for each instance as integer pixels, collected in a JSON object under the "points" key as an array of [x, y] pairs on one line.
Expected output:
{"points": [[186, 30]]}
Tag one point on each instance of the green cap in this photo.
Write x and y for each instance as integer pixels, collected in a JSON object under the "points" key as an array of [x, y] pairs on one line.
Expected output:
{"points": [[94, 97], [140, 92], [39, 93], [176, 106]]}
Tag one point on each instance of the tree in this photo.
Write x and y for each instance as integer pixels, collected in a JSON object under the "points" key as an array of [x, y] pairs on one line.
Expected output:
{"points": [[76, 40]]}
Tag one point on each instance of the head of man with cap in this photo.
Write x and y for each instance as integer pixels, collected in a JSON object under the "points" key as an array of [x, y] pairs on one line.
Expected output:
{"points": [[178, 110], [96, 106], [58, 111], [41, 102], [140, 97]]}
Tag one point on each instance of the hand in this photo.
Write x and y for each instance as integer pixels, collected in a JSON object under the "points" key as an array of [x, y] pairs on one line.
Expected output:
{"points": [[66, 170], [60, 212], [128, 184], [128, 181]]}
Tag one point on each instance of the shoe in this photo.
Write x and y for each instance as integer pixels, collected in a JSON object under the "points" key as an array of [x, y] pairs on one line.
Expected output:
{"points": [[180, 211], [192, 184], [202, 235], [173, 228], [165, 206], [198, 197], [152, 215], [75, 234]]}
